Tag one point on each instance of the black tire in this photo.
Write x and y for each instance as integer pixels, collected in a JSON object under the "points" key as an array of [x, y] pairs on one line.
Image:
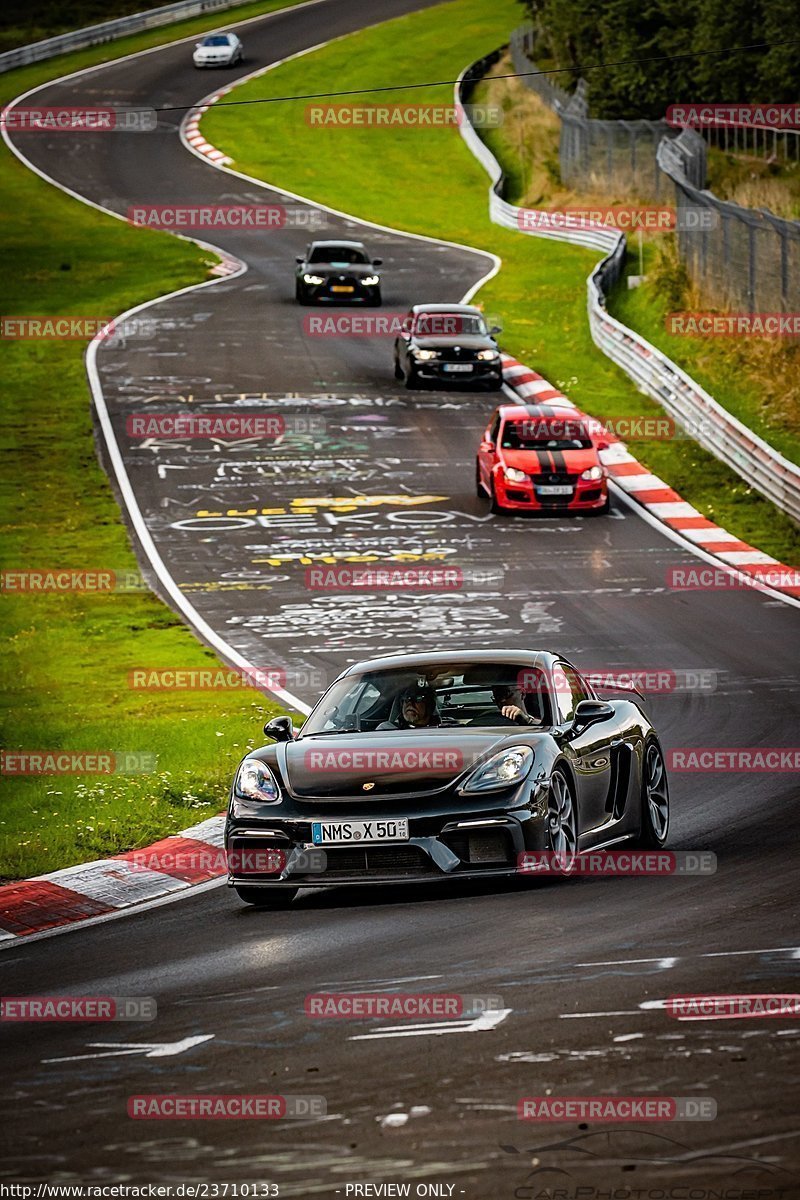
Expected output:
{"points": [[267, 897], [411, 379], [300, 294], [602, 511], [398, 370], [655, 799], [562, 814], [480, 490], [493, 497], [375, 301]]}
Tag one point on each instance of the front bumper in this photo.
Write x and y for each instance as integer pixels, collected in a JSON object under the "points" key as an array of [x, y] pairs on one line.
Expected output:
{"points": [[587, 496], [227, 61], [321, 293], [482, 372], [441, 848]]}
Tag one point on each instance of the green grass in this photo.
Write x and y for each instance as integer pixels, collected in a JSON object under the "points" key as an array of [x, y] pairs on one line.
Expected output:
{"points": [[65, 669], [426, 181], [756, 182]]}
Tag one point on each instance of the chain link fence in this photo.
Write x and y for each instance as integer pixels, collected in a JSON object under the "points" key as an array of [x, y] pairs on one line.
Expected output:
{"points": [[740, 258], [594, 155], [743, 259]]}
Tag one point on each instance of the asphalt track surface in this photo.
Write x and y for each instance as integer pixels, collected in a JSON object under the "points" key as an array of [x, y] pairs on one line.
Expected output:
{"points": [[576, 963]]}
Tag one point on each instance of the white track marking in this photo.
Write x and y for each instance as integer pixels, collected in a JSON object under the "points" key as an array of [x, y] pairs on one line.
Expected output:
{"points": [[148, 1049], [487, 1020]]}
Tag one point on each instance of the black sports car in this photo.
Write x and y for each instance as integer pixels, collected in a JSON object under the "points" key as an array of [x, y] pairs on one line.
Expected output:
{"points": [[338, 273], [447, 343], [415, 768]]}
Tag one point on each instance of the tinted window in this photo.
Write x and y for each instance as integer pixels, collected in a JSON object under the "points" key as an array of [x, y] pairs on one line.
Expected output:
{"points": [[455, 324], [569, 690], [536, 435], [217, 40], [337, 254], [463, 695]]}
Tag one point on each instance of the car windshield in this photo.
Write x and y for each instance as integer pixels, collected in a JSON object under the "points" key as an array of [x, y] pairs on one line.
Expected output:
{"points": [[338, 254], [449, 324], [440, 694], [217, 40], [536, 434]]}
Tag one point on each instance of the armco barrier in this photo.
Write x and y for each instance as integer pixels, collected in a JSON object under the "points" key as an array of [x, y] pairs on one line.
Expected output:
{"points": [[657, 376], [108, 31]]}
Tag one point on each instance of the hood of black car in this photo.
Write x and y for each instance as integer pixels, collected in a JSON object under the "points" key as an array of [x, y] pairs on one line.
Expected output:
{"points": [[326, 269], [398, 762]]}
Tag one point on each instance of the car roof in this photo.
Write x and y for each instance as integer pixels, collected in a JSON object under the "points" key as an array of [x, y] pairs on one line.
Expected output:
{"points": [[526, 411], [448, 308], [338, 242], [529, 658]]}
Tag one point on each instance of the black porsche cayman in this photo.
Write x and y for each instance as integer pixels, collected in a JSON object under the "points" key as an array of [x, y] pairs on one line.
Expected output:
{"points": [[424, 767]]}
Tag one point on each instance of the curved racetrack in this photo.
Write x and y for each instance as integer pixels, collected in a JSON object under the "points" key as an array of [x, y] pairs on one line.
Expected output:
{"points": [[574, 962]]}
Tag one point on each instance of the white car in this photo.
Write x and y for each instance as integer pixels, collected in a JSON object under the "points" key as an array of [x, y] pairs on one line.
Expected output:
{"points": [[218, 50]]}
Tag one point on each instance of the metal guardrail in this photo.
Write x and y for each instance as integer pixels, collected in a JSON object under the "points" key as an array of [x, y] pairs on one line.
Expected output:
{"points": [[692, 408], [108, 31]]}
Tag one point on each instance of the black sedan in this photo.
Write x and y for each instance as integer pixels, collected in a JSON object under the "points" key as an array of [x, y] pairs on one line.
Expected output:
{"points": [[418, 768], [338, 273], [447, 343]]}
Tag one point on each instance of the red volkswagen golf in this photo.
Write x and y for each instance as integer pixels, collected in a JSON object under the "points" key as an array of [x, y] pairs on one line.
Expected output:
{"points": [[536, 456]]}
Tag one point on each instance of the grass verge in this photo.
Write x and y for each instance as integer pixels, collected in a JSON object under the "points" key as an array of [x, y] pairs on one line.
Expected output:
{"points": [[65, 671], [424, 180]]}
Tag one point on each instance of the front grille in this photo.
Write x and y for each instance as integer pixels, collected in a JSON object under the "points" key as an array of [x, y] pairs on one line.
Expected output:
{"points": [[554, 477], [345, 281], [369, 859], [456, 354]]}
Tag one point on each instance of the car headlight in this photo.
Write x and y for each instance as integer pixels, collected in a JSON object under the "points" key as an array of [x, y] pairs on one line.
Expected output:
{"points": [[592, 473], [514, 476], [425, 355], [507, 767], [255, 781], [315, 279], [371, 280], [487, 355]]}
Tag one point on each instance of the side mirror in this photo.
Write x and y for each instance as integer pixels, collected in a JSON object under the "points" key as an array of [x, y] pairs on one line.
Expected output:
{"points": [[496, 329], [590, 712], [377, 262], [280, 729], [299, 260], [601, 446], [486, 445]]}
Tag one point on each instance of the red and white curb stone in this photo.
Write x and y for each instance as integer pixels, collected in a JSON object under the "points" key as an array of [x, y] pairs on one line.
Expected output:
{"points": [[108, 885], [192, 134], [660, 500]]}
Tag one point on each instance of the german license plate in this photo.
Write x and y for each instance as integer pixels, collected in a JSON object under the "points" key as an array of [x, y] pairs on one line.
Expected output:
{"points": [[331, 833], [457, 366], [553, 489], [340, 288]]}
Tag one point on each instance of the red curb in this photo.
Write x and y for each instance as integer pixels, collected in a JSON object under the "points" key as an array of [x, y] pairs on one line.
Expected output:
{"points": [[164, 857], [32, 905]]}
